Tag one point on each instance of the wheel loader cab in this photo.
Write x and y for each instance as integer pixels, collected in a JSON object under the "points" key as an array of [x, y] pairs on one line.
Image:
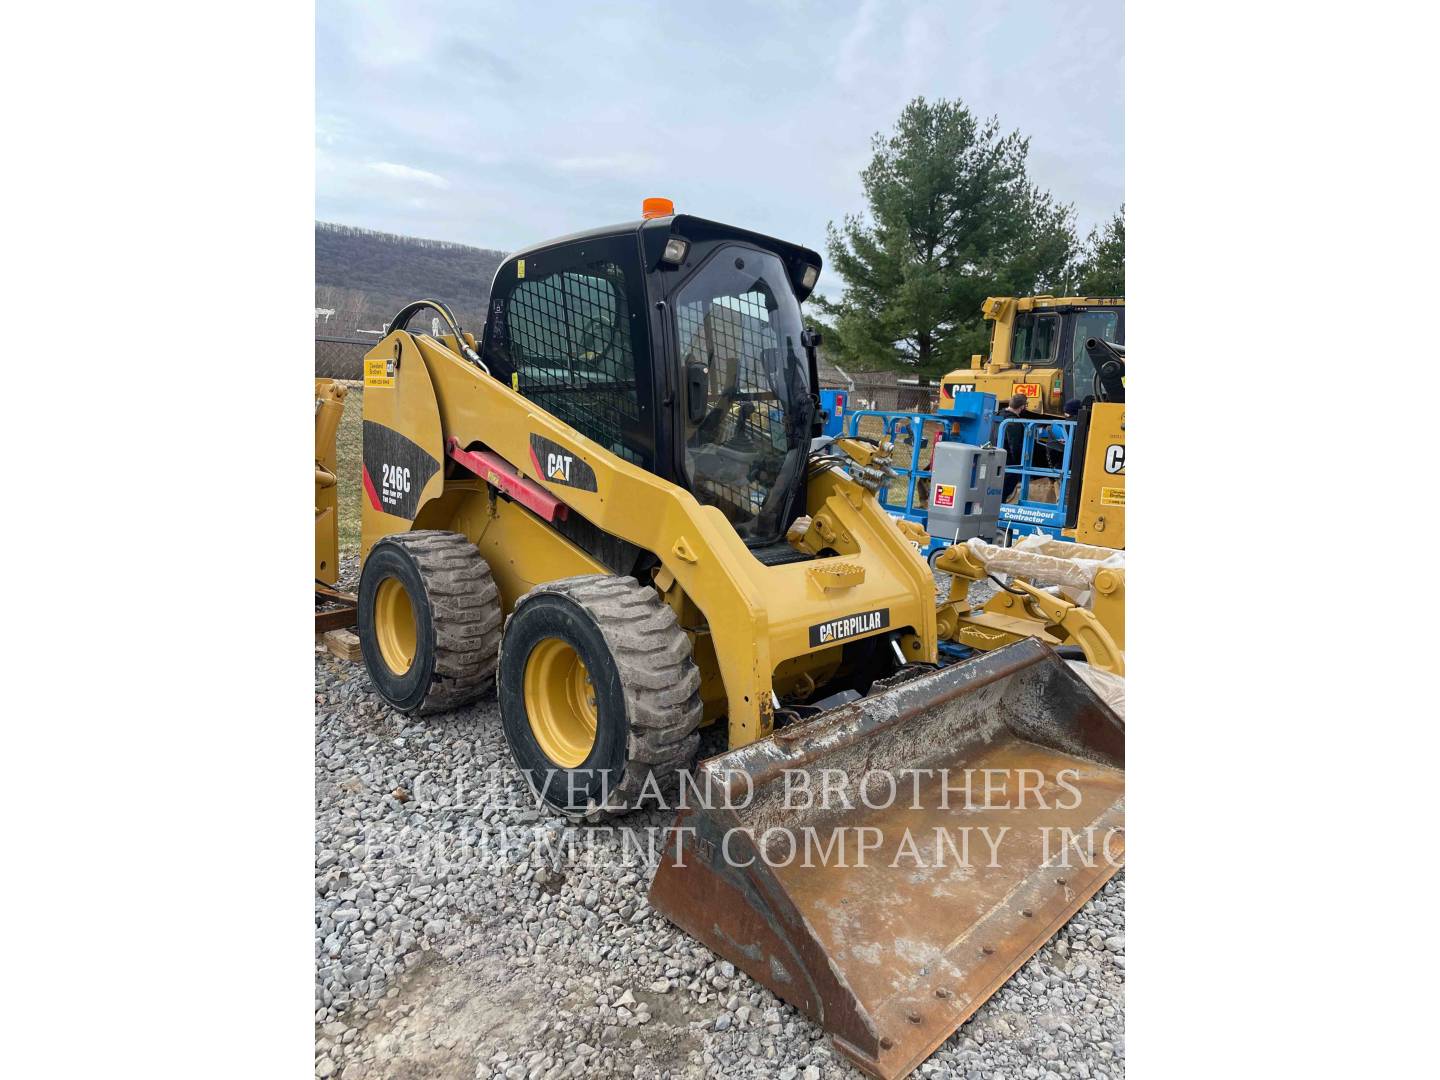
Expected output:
{"points": [[1037, 348], [674, 343]]}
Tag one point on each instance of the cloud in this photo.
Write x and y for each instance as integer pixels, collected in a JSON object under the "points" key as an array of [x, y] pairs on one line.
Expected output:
{"points": [[852, 52], [628, 164], [405, 172], [700, 102]]}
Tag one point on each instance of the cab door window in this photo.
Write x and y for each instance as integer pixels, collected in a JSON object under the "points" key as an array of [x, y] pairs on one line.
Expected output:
{"points": [[1035, 339], [1104, 325]]}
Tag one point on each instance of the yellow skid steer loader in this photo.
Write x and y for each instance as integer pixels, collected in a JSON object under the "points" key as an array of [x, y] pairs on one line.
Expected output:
{"points": [[587, 508]]}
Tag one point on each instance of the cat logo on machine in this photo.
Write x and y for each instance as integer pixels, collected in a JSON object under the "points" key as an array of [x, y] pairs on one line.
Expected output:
{"points": [[1115, 458], [849, 626], [558, 465]]}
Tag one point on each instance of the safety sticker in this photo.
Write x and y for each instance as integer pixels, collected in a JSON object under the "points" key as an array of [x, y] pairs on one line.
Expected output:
{"points": [[519, 268], [1112, 496], [380, 372], [944, 494]]}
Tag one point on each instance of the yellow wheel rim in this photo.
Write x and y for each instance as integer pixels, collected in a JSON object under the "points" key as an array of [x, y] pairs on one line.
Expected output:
{"points": [[395, 625], [560, 703]]}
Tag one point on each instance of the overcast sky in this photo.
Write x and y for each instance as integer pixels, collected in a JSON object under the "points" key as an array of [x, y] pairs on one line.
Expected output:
{"points": [[501, 125]]}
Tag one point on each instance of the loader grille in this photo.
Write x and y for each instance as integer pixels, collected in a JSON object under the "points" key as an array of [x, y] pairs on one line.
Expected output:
{"points": [[780, 554], [570, 336]]}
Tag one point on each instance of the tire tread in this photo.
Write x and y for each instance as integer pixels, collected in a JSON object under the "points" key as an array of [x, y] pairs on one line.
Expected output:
{"points": [[465, 605], [658, 674]]}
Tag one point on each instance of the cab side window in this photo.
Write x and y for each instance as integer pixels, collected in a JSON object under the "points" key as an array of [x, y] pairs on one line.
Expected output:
{"points": [[566, 327], [1035, 339]]}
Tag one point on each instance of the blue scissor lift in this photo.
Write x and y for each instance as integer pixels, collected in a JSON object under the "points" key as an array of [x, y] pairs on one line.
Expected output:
{"points": [[1030, 514], [970, 422]]}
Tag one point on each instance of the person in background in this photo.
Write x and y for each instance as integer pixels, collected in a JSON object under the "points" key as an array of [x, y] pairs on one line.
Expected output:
{"points": [[1013, 441], [1058, 431], [1015, 407], [1056, 435]]}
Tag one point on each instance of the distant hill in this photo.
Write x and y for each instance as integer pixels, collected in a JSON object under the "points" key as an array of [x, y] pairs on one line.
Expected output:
{"points": [[366, 276]]}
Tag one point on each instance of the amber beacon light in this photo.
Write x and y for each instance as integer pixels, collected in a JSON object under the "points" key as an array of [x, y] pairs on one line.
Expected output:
{"points": [[656, 207]]}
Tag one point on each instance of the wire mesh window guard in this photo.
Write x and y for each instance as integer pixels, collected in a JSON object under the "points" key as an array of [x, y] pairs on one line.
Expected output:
{"points": [[572, 346]]}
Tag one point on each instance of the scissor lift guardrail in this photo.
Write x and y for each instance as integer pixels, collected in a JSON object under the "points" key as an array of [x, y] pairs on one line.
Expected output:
{"points": [[1029, 514]]}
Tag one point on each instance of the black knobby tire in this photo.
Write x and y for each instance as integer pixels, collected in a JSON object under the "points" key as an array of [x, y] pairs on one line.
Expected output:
{"points": [[646, 687], [457, 616]]}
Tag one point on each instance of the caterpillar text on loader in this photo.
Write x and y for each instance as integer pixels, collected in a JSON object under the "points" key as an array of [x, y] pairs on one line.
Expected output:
{"points": [[611, 470], [1037, 348]]}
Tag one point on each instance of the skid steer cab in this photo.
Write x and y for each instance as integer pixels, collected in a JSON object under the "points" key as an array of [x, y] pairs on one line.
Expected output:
{"points": [[611, 507]]}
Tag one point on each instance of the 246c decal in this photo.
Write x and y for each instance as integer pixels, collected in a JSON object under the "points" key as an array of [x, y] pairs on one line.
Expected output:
{"points": [[394, 482], [394, 470]]}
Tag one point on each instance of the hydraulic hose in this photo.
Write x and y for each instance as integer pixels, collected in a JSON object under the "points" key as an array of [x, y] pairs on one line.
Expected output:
{"points": [[410, 310]]}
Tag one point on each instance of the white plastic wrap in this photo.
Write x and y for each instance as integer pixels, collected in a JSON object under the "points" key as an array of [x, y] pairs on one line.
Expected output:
{"points": [[1043, 561], [1108, 688]]}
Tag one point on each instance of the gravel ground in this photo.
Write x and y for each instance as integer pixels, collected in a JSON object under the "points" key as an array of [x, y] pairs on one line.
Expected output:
{"points": [[461, 931]]}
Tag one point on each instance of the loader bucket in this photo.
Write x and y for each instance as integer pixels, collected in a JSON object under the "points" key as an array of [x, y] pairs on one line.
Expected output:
{"points": [[888, 944]]}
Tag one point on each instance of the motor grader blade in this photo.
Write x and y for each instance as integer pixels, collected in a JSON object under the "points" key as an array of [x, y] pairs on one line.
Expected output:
{"points": [[891, 945]]}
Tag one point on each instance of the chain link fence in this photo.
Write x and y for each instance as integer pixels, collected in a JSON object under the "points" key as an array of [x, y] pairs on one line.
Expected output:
{"points": [[916, 398], [341, 358]]}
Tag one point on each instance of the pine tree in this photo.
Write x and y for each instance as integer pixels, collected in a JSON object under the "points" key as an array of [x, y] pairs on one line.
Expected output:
{"points": [[953, 218]]}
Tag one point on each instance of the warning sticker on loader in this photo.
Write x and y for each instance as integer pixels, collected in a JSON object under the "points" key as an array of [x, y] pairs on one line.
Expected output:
{"points": [[866, 622], [380, 372], [1112, 496], [944, 495]]}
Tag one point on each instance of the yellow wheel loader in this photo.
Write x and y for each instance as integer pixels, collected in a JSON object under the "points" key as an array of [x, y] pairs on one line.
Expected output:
{"points": [[587, 508], [1038, 348]]}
